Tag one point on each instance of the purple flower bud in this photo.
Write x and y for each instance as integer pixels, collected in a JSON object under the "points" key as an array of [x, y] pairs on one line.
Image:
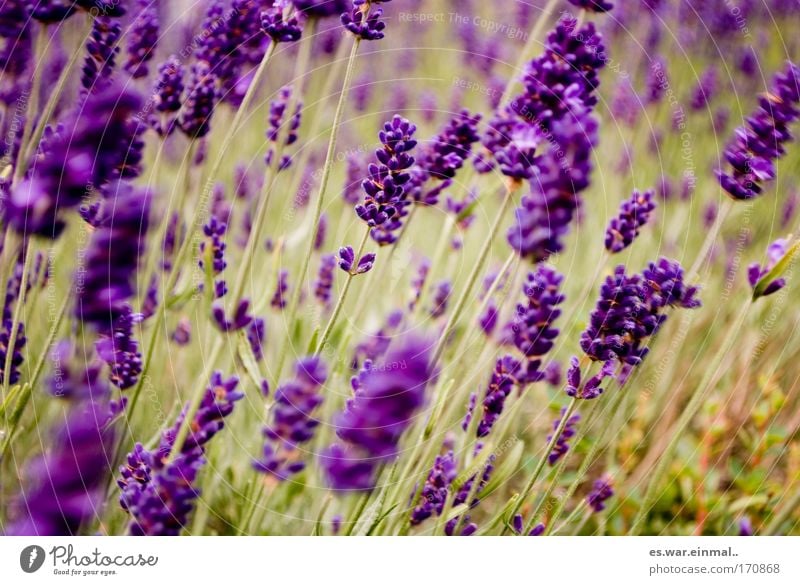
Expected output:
{"points": [[279, 28], [601, 491], [241, 317], [562, 443], [755, 272], [363, 22]]}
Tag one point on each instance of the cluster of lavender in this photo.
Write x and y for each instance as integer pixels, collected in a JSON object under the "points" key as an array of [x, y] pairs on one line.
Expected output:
{"points": [[387, 396], [292, 419], [630, 310], [159, 491]]}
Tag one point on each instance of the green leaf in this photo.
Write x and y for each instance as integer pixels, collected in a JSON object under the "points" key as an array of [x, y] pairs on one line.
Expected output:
{"points": [[777, 271]]}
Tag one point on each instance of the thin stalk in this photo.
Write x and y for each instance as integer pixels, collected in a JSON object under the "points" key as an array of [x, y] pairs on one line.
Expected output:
{"points": [[543, 459], [49, 108], [13, 333], [172, 278], [40, 53], [27, 389], [527, 50], [197, 398], [326, 173], [340, 302], [725, 209], [584, 467], [691, 409], [473, 276], [241, 111]]}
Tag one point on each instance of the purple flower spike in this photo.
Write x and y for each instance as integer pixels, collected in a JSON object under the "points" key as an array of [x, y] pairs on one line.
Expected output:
{"points": [[508, 373], [120, 351], [256, 333], [633, 214], [386, 199], [279, 298], [542, 220], [320, 8], [195, 116], [292, 419], [440, 298], [142, 39], [64, 486], [532, 330], [241, 317], [53, 11], [755, 272], [562, 443], [601, 492], [760, 143], [436, 489], [167, 96], [102, 51], [279, 28], [281, 127], [363, 22], [13, 288], [105, 288], [324, 283], [388, 397]]}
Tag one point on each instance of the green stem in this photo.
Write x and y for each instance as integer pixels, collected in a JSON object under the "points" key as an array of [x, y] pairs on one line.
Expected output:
{"points": [[172, 278], [28, 253], [691, 409], [49, 108], [27, 389], [326, 173], [197, 398], [543, 459], [473, 276], [340, 302], [584, 467], [527, 51]]}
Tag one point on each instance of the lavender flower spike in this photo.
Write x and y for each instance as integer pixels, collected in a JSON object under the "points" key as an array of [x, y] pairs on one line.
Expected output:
{"points": [[758, 144], [387, 397], [292, 419], [633, 214]]}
